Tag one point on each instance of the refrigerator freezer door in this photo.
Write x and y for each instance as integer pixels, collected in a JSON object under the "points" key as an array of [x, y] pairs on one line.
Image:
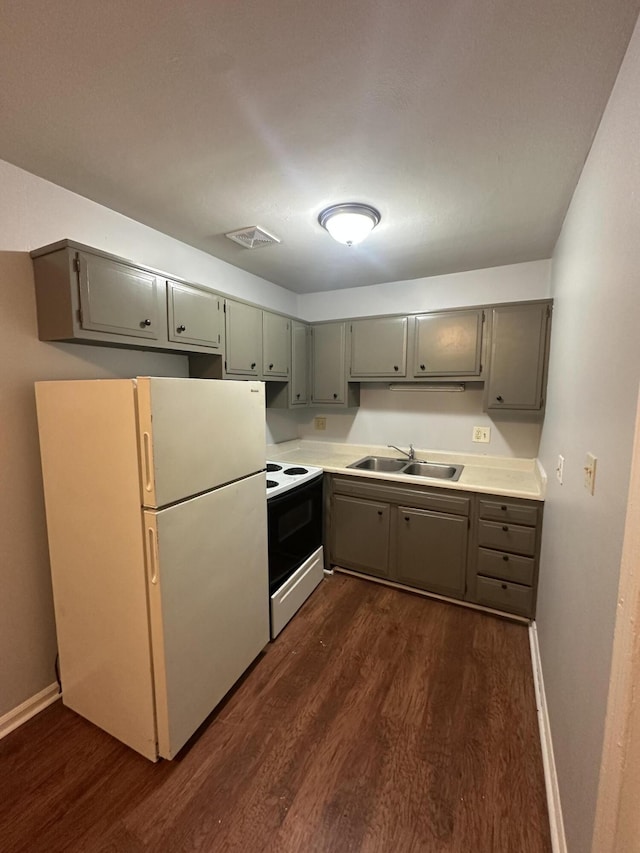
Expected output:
{"points": [[209, 601], [197, 434]]}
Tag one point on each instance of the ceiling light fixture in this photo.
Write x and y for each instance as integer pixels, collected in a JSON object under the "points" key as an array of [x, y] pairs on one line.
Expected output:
{"points": [[349, 223]]}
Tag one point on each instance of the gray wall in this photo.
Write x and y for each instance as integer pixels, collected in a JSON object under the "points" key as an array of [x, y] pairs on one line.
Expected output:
{"points": [[593, 386]]}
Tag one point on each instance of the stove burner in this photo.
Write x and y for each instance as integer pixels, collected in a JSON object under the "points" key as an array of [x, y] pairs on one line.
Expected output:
{"points": [[271, 484], [293, 471], [271, 466]]}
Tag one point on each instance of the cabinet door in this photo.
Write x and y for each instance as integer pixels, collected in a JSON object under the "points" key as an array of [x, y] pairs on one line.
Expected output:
{"points": [[299, 364], [360, 533], [243, 338], [448, 343], [328, 363], [379, 347], [194, 315], [117, 298], [431, 550], [518, 355], [275, 345]]}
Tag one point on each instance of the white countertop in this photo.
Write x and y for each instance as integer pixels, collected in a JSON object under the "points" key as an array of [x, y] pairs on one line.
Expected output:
{"points": [[494, 475]]}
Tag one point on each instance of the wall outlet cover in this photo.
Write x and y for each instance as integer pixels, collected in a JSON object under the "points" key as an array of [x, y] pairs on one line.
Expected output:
{"points": [[320, 423], [481, 433]]}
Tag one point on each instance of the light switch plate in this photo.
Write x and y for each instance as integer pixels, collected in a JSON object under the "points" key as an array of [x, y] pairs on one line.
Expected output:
{"points": [[590, 473], [481, 433], [560, 468]]}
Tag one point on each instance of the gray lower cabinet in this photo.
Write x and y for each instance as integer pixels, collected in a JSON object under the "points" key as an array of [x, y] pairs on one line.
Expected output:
{"points": [[329, 384], [378, 348], [518, 357], [360, 534], [195, 316], [503, 570], [413, 535], [448, 344], [431, 550], [483, 549]]}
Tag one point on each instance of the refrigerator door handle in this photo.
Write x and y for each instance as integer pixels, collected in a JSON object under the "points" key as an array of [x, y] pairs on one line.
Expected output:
{"points": [[146, 459], [153, 554]]}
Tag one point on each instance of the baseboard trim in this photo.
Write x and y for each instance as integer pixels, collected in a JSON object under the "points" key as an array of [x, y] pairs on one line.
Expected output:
{"points": [[12, 719], [556, 824]]}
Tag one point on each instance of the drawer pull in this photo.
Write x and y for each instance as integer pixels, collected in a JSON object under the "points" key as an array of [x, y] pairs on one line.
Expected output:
{"points": [[379, 512], [505, 528], [503, 508], [504, 586], [505, 558]]}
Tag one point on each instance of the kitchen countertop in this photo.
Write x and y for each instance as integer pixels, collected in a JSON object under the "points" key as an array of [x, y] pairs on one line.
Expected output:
{"points": [[494, 475]]}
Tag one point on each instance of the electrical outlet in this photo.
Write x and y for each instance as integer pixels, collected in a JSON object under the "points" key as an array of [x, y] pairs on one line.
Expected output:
{"points": [[590, 473], [319, 423], [560, 468], [482, 433]]}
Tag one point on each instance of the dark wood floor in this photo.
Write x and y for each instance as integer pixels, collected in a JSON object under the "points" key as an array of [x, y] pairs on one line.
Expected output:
{"points": [[379, 721]]}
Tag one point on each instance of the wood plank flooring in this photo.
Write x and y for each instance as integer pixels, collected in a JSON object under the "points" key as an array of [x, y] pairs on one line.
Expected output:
{"points": [[378, 722]]}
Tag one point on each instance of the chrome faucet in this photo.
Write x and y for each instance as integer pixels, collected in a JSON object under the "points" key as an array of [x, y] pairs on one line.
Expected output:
{"points": [[411, 453]]}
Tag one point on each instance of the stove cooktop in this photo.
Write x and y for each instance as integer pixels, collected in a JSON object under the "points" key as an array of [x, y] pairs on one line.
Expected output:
{"points": [[286, 476]]}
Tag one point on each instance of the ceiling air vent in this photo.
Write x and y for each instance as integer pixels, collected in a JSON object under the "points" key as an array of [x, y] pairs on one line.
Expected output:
{"points": [[252, 237]]}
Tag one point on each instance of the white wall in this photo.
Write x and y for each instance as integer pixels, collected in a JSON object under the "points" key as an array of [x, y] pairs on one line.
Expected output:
{"points": [[430, 420], [33, 213], [476, 287], [593, 383]]}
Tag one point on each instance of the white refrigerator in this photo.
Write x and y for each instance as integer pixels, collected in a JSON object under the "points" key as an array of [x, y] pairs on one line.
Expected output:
{"points": [[156, 517]]}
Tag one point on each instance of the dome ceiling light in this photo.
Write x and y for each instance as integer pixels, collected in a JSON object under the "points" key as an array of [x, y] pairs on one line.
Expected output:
{"points": [[349, 223]]}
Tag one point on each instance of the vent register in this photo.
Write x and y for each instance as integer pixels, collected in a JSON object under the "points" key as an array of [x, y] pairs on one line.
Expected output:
{"points": [[252, 237]]}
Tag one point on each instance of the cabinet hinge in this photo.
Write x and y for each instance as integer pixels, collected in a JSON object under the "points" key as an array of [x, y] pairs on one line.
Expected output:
{"points": [[224, 308], [480, 368], [76, 264], [548, 311], [80, 316], [483, 317], [225, 364], [218, 338]]}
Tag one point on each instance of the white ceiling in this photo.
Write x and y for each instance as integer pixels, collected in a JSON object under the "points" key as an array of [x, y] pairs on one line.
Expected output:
{"points": [[465, 123]]}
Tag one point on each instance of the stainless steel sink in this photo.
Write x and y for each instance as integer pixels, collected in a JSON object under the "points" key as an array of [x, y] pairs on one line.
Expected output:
{"points": [[383, 464], [379, 463], [434, 469]]}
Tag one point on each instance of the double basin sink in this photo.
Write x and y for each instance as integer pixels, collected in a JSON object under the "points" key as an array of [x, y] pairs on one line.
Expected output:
{"points": [[414, 468]]}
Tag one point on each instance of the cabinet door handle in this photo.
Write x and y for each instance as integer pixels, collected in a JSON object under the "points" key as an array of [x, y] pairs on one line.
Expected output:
{"points": [[503, 508], [422, 367], [499, 398], [335, 396], [505, 528], [145, 322], [253, 365], [297, 396], [271, 366], [181, 329], [505, 558], [395, 367], [379, 512]]}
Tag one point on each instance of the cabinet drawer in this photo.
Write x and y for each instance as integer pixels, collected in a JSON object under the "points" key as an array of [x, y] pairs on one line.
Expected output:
{"points": [[508, 567], [504, 596], [507, 537], [516, 513]]}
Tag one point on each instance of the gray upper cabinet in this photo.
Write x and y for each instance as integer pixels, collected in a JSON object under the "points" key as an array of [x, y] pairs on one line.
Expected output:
{"points": [[117, 298], [243, 326], [378, 347], [448, 343], [275, 345], [518, 358], [328, 380], [194, 315], [299, 382], [329, 385]]}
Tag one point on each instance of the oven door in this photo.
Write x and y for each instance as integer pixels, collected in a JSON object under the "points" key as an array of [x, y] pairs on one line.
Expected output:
{"points": [[295, 530]]}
